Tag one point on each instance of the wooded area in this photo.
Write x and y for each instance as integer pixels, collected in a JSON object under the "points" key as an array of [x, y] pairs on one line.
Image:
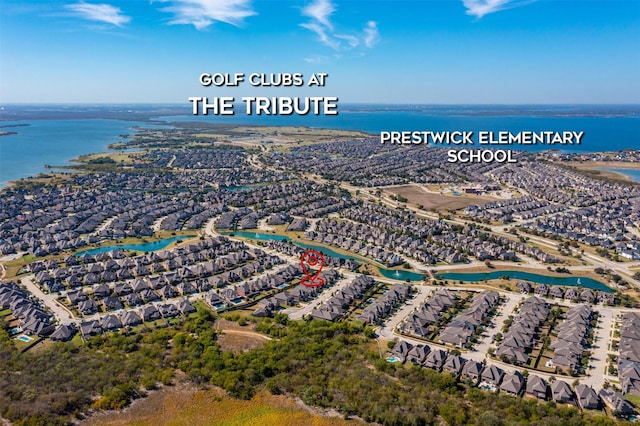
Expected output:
{"points": [[325, 364]]}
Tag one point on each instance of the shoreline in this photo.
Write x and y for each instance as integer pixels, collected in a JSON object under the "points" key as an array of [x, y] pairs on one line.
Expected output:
{"points": [[158, 118], [602, 169]]}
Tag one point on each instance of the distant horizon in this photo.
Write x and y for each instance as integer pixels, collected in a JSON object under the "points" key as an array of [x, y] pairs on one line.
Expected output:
{"points": [[341, 103]]}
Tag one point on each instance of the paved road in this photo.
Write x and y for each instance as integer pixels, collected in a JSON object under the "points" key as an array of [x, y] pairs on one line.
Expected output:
{"points": [[505, 310], [49, 300], [389, 326], [298, 313], [597, 373]]}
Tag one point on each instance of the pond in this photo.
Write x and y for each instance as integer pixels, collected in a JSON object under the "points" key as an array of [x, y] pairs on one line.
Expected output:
{"points": [[238, 188], [143, 247], [399, 274], [403, 275], [266, 237], [571, 281]]}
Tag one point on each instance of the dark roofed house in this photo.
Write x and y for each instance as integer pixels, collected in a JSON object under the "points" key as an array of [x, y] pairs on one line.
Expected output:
{"points": [[418, 354], [215, 301], [101, 291], [541, 290], [262, 312], [111, 322], [132, 299], [454, 364], [587, 397], [88, 307], [435, 359], [536, 387], [492, 375], [149, 295], [122, 289], [169, 310], [35, 326], [327, 314], [76, 297], [130, 319], [185, 307], [150, 313], [616, 402], [523, 287], [629, 371], [572, 294], [556, 291], [112, 303], [168, 292], [402, 349], [512, 383], [90, 328], [64, 333], [472, 370], [561, 392]]}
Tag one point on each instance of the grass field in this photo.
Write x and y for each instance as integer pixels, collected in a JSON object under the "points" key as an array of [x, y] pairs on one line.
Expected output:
{"points": [[180, 406]]}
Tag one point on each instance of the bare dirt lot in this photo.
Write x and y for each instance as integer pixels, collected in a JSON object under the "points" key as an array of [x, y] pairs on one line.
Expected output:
{"points": [[429, 200], [237, 338]]}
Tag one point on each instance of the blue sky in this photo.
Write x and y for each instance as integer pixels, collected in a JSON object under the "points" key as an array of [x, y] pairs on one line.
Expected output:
{"points": [[423, 51]]}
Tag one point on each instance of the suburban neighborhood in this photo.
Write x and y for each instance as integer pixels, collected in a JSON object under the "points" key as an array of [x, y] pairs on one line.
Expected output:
{"points": [[224, 229]]}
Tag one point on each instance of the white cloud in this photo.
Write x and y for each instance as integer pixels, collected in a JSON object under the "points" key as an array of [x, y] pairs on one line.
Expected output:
{"points": [[479, 8], [202, 13], [371, 34], [352, 40], [99, 12], [320, 12], [322, 35], [316, 59]]}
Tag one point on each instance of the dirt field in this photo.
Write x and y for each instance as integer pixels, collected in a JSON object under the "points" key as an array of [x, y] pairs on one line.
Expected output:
{"points": [[241, 341], [182, 405], [419, 196], [237, 338]]}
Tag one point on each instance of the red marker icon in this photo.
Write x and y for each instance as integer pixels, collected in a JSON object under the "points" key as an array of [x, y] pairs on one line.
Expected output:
{"points": [[312, 258]]}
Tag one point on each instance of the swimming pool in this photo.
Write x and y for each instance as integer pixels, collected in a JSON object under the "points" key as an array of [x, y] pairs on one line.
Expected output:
{"points": [[24, 338], [393, 359]]}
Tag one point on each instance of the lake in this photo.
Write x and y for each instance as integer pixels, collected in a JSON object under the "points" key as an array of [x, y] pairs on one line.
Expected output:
{"points": [[633, 174], [142, 247]]}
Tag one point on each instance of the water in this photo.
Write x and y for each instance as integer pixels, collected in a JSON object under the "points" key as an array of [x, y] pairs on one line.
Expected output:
{"points": [[570, 281], [55, 142], [403, 275], [604, 131], [142, 247], [256, 235], [399, 274], [238, 188], [266, 237], [634, 174]]}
